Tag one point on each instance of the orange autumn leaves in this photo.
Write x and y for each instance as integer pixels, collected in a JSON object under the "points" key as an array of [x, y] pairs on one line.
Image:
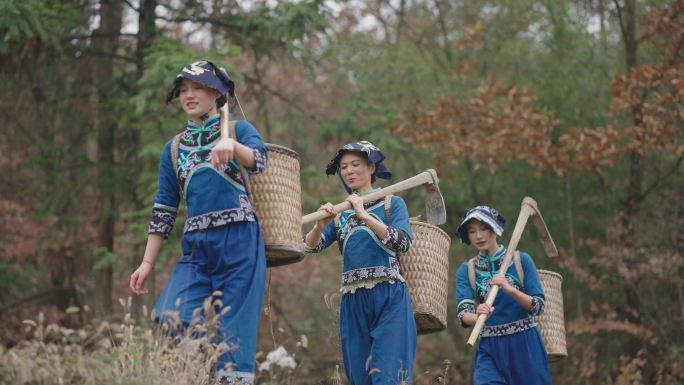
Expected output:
{"points": [[500, 124]]}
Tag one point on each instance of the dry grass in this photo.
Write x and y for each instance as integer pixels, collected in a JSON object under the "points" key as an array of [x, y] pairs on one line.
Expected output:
{"points": [[129, 351], [121, 353]]}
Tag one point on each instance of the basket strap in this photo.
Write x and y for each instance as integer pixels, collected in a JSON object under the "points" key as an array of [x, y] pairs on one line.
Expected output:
{"points": [[471, 273], [245, 176], [388, 208], [175, 143], [388, 216], [518, 266]]}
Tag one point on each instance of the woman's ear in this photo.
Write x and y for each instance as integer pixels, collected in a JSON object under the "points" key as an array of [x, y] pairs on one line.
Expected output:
{"points": [[371, 167]]}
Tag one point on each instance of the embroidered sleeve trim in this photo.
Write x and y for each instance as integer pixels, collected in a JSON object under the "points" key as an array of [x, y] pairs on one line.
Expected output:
{"points": [[508, 328], [464, 307], [397, 240], [165, 207], [259, 161], [162, 220], [538, 305], [319, 247]]}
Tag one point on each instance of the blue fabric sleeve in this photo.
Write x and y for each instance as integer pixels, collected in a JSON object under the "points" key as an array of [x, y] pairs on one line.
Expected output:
{"points": [[399, 237], [167, 200], [533, 286], [465, 296], [248, 135], [328, 236]]}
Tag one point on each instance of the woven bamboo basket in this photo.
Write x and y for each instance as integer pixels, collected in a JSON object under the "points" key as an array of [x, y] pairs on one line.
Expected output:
{"points": [[552, 321], [426, 270], [276, 196]]}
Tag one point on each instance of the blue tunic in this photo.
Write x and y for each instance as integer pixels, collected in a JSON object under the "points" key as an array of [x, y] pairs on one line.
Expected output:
{"points": [[511, 350], [223, 250], [377, 328], [197, 179]]}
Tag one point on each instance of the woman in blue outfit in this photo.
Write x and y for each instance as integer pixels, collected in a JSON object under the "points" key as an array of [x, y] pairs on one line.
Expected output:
{"points": [[511, 350], [223, 250], [377, 328]]}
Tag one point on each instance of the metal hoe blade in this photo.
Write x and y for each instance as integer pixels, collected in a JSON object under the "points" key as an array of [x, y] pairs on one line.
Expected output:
{"points": [[542, 231], [435, 212]]}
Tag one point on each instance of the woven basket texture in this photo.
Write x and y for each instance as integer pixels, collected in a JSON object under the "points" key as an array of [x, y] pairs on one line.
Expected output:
{"points": [[552, 321], [276, 196], [426, 270]]}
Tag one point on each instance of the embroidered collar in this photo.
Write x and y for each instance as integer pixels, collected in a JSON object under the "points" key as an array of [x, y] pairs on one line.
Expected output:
{"points": [[491, 263], [195, 135]]}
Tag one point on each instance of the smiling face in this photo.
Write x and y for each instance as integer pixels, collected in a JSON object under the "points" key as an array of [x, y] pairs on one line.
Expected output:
{"points": [[197, 99], [482, 237], [355, 171]]}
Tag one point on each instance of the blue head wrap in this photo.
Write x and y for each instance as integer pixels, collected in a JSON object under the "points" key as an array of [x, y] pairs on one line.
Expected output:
{"points": [[485, 214], [208, 74]]}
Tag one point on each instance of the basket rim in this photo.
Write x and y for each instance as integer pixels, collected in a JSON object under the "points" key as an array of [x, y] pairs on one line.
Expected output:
{"points": [[280, 148], [417, 222], [549, 272]]}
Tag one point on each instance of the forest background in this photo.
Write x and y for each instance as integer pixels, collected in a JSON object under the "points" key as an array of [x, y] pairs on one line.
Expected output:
{"points": [[577, 103]]}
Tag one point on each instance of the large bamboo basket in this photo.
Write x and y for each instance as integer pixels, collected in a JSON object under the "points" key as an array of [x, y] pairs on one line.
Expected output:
{"points": [[426, 270], [276, 196], [552, 321]]}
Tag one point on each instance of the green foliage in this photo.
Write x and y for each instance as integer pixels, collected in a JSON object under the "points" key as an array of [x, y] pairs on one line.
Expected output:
{"points": [[43, 20], [105, 259], [274, 28]]}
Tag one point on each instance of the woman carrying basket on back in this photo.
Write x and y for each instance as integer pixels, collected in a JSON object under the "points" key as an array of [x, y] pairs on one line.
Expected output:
{"points": [[511, 350], [377, 328], [223, 250]]}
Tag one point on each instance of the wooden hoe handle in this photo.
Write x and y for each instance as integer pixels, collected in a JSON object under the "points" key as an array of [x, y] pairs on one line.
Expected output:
{"points": [[425, 177]]}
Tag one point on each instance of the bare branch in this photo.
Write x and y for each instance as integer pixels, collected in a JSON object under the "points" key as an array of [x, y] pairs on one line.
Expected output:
{"points": [[131, 6], [661, 177], [282, 97]]}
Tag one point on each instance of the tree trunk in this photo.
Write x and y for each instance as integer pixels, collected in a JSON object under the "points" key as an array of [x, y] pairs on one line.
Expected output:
{"points": [[146, 34], [631, 204], [216, 11], [110, 25], [569, 211], [632, 309], [679, 245]]}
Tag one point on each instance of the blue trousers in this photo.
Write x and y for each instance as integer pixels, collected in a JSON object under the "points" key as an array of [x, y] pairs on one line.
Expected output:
{"points": [[516, 359], [378, 334], [229, 259]]}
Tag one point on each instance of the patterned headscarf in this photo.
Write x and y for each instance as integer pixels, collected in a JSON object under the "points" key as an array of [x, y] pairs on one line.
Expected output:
{"points": [[208, 74], [374, 155], [485, 214]]}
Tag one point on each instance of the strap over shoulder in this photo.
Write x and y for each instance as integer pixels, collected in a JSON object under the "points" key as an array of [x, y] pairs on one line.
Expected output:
{"points": [[175, 143], [243, 172], [471, 273], [388, 208], [518, 266]]}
